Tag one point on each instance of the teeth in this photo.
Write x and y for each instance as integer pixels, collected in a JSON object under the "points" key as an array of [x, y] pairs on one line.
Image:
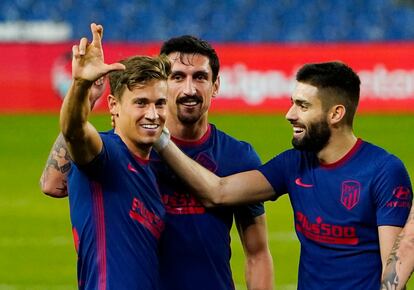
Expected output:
{"points": [[150, 126], [298, 130], [192, 103]]}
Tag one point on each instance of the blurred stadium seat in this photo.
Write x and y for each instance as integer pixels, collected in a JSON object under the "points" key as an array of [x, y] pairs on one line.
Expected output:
{"points": [[224, 21]]}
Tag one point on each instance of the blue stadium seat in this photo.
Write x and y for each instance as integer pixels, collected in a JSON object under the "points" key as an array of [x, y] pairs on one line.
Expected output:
{"points": [[225, 21]]}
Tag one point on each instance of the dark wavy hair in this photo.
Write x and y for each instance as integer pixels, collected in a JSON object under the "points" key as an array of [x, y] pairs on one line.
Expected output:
{"points": [[338, 82], [192, 45]]}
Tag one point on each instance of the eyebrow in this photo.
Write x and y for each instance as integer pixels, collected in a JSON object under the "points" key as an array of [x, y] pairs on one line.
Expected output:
{"points": [[300, 102], [201, 72], [139, 98]]}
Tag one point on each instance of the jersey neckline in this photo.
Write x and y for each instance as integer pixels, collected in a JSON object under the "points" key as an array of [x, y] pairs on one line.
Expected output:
{"points": [[140, 160], [347, 156], [202, 140]]}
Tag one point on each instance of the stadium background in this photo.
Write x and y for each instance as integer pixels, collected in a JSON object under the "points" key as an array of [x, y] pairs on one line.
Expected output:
{"points": [[260, 43]]}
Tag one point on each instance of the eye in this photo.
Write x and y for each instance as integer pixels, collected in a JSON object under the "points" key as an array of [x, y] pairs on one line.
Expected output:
{"points": [[177, 77], [201, 77], [140, 102], [161, 103], [303, 106]]}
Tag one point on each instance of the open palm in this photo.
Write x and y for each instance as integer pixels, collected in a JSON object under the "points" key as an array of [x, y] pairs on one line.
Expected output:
{"points": [[88, 59]]}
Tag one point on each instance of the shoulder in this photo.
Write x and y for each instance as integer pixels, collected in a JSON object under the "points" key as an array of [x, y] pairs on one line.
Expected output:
{"points": [[111, 140], [379, 156], [293, 155], [108, 135], [225, 139]]}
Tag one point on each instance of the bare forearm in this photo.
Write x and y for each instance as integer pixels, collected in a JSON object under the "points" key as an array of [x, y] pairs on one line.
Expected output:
{"points": [[400, 263], [53, 181], [201, 180], [241, 188], [395, 277], [259, 272], [259, 263], [82, 139], [75, 110]]}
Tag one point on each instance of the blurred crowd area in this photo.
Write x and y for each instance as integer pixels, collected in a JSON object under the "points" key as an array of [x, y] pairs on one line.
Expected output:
{"points": [[224, 20]]}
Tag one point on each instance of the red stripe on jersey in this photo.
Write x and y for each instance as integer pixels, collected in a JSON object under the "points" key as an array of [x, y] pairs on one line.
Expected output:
{"points": [[98, 211]]}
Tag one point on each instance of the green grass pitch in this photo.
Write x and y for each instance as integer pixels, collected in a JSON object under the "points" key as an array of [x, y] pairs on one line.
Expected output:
{"points": [[36, 248]]}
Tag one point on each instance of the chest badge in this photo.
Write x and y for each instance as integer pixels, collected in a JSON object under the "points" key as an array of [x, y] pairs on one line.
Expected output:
{"points": [[350, 193]]}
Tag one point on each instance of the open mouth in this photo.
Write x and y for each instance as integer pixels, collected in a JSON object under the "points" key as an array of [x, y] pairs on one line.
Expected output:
{"points": [[298, 131], [190, 101], [150, 126]]}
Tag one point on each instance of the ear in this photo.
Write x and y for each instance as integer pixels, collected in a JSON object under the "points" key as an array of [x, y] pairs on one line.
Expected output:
{"points": [[113, 105], [216, 86], [336, 114]]}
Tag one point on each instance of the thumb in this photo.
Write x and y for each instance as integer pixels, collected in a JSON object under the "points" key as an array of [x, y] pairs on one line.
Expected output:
{"points": [[115, 66]]}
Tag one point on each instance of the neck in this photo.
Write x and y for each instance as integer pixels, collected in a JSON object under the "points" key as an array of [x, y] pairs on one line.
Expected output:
{"points": [[338, 146], [140, 150], [187, 132]]}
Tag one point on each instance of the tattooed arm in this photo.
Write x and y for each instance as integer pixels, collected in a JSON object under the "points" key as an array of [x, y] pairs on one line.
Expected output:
{"points": [[400, 263], [54, 176]]}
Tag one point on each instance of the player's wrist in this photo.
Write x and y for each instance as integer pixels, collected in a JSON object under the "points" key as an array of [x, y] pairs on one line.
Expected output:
{"points": [[163, 141], [82, 83]]}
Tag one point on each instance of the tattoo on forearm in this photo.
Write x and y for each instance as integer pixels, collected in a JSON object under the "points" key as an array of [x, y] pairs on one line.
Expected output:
{"points": [[65, 167], [59, 157], [391, 279], [64, 187], [59, 160]]}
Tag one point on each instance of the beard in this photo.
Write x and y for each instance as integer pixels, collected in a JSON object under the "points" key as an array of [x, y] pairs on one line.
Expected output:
{"points": [[316, 137], [189, 116]]}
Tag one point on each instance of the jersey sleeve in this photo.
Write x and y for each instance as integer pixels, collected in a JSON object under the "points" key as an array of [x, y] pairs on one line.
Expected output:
{"points": [[275, 171], [96, 168], [393, 192], [251, 161]]}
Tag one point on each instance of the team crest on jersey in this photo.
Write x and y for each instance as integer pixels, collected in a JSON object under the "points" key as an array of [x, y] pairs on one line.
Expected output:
{"points": [[350, 193], [206, 161]]}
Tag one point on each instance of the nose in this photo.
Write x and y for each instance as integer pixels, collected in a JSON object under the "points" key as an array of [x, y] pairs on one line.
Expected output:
{"points": [[189, 88], [151, 114], [291, 113]]}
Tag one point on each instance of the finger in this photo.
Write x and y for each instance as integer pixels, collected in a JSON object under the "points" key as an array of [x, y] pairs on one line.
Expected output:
{"points": [[82, 45], [100, 81], [75, 51], [96, 34]]}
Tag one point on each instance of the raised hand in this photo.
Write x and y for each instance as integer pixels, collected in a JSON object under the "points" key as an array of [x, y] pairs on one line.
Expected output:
{"points": [[97, 90], [88, 59]]}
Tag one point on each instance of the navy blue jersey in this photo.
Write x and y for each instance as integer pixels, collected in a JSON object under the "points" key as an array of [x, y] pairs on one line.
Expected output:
{"points": [[337, 211], [117, 218], [195, 246]]}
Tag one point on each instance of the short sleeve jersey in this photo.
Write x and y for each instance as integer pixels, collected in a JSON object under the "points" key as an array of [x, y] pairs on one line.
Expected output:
{"points": [[195, 246], [117, 218], [338, 209]]}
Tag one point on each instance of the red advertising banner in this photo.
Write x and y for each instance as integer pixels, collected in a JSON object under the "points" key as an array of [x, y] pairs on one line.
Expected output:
{"points": [[254, 77]]}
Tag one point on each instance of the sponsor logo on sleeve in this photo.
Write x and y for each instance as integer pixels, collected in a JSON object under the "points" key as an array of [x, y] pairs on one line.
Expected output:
{"points": [[401, 197]]}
